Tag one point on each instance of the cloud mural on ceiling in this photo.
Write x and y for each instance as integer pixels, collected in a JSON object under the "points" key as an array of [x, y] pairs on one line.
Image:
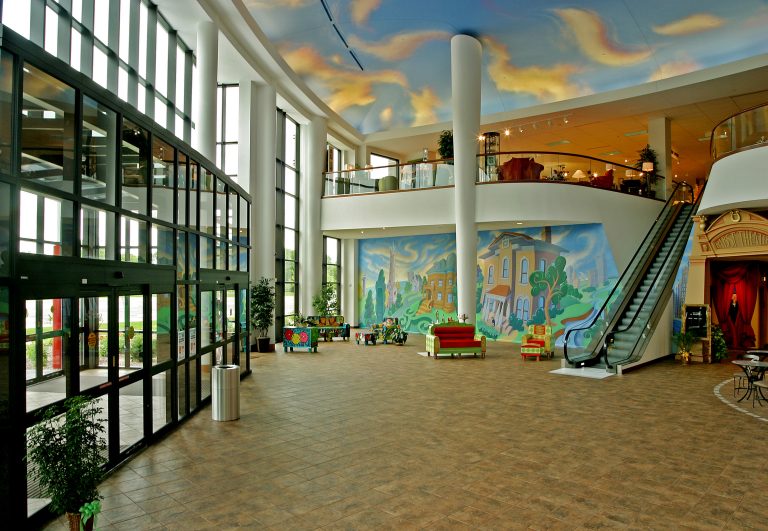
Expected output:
{"points": [[593, 39], [531, 54], [692, 24], [398, 47], [546, 83], [346, 87]]}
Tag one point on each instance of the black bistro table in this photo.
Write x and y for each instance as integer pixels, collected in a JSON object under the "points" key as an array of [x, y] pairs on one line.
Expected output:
{"points": [[753, 370]]}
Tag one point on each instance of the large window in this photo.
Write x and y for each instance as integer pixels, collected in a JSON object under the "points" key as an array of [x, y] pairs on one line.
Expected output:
{"points": [[332, 264], [383, 166], [134, 59], [287, 218], [228, 104]]}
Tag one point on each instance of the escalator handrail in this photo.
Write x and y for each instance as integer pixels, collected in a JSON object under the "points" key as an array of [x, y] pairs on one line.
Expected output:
{"points": [[666, 258], [631, 266]]}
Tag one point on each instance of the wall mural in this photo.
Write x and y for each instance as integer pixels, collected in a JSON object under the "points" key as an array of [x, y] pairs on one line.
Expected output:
{"points": [[555, 275]]}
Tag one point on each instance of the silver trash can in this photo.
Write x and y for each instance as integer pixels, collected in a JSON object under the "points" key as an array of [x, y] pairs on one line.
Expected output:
{"points": [[225, 395]]}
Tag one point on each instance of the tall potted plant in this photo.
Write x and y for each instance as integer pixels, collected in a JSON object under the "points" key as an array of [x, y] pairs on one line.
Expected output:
{"points": [[67, 456], [326, 302], [262, 310], [648, 155], [445, 145]]}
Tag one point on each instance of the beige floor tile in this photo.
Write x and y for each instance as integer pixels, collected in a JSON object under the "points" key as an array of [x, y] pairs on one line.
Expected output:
{"points": [[378, 437]]}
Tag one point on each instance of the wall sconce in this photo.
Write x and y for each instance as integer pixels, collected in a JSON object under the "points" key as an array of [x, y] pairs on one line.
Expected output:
{"points": [[648, 166]]}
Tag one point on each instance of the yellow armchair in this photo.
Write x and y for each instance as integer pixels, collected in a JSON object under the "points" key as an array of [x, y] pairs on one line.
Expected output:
{"points": [[542, 336]]}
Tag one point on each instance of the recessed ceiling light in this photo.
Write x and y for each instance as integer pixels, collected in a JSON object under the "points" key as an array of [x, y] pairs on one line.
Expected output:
{"points": [[611, 153], [519, 222]]}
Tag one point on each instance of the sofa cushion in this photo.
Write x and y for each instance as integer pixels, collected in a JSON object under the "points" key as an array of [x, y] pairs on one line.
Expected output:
{"points": [[458, 343]]}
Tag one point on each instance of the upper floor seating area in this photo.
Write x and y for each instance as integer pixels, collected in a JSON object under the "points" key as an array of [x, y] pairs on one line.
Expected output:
{"points": [[512, 166]]}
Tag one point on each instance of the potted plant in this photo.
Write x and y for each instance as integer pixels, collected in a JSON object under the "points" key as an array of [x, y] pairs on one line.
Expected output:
{"points": [[684, 342], [67, 454], [719, 346], [262, 310], [648, 155], [445, 145], [326, 303]]}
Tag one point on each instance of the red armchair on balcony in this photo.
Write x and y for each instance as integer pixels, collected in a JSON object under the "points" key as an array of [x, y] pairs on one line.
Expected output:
{"points": [[604, 181]]}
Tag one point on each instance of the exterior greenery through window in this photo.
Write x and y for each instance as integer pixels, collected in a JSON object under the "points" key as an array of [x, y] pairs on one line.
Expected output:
{"points": [[332, 265], [286, 218]]}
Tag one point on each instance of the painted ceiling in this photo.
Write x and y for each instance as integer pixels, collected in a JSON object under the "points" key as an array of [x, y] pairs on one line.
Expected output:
{"points": [[384, 64]]}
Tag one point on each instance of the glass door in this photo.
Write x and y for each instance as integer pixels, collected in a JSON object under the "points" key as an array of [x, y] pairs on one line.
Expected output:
{"points": [[113, 327]]}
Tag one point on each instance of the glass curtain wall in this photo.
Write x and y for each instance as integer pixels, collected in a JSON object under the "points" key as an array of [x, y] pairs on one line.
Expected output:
{"points": [[117, 207], [126, 46], [228, 122], [287, 219]]}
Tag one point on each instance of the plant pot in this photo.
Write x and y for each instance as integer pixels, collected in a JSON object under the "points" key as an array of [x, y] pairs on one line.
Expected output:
{"points": [[262, 344], [74, 522]]}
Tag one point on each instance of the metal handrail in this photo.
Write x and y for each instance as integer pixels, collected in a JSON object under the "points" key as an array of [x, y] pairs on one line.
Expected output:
{"points": [[628, 271], [681, 234]]}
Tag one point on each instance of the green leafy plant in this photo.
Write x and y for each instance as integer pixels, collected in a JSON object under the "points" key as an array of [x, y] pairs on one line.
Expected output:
{"points": [[262, 305], [685, 340], [719, 346], [297, 319], [648, 154], [326, 302], [445, 145], [67, 453]]}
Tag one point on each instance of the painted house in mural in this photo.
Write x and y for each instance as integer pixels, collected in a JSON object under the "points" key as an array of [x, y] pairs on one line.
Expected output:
{"points": [[440, 288], [506, 265]]}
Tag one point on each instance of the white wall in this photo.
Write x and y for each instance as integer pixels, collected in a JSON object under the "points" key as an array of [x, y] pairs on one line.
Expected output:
{"points": [[737, 181], [625, 218]]}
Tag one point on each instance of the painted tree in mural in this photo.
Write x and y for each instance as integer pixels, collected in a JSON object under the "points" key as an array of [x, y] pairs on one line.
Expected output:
{"points": [[381, 294], [479, 290], [553, 285], [368, 315]]}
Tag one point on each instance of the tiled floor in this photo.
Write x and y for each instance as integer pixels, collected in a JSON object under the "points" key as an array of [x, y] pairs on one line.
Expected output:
{"points": [[378, 437]]}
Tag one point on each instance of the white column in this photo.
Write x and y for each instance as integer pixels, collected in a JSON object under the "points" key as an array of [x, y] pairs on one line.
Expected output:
{"points": [[257, 156], [349, 299], [311, 237], [205, 98], [660, 140], [466, 61]]}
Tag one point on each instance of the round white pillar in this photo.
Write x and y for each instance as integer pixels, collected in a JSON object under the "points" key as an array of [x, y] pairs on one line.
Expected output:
{"points": [[311, 237], [466, 61], [205, 103]]}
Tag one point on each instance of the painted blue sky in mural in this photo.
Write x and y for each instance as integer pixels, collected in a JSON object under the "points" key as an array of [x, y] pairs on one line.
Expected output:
{"points": [[414, 254], [533, 52]]}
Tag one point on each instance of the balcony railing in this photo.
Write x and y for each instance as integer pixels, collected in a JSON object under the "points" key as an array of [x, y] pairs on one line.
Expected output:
{"points": [[745, 130], [511, 166]]}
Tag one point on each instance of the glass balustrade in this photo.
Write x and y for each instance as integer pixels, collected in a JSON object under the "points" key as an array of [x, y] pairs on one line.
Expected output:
{"points": [[498, 167], [746, 130]]}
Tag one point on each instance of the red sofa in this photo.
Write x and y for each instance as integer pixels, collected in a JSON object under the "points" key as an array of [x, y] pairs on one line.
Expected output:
{"points": [[454, 338], [520, 169]]}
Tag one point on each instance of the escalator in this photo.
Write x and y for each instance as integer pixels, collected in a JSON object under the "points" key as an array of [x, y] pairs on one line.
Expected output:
{"points": [[621, 328]]}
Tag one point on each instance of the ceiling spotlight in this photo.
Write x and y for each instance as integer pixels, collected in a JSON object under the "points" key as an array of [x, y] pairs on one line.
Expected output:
{"points": [[506, 132], [565, 120], [480, 138], [521, 129]]}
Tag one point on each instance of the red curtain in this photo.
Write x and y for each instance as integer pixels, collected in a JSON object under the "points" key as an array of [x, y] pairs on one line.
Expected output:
{"points": [[743, 279]]}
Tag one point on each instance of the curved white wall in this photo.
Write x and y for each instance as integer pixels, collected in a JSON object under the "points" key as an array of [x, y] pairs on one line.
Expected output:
{"points": [[625, 218], [737, 181]]}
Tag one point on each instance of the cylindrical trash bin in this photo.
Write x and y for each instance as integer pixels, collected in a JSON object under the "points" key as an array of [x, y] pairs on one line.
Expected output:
{"points": [[225, 395]]}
